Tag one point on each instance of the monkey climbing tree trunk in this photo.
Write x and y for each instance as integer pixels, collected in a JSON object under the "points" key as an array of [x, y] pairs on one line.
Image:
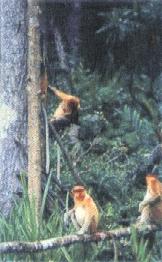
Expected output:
{"points": [[13, 110], [34, 109]]}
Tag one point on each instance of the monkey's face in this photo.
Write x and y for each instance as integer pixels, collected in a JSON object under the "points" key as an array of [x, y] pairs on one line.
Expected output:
{"points": [[78, 193], [150, 179], [153, 184]]}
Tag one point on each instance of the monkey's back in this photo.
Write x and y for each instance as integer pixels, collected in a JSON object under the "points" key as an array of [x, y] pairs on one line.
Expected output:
{"points": [[156, 213]]}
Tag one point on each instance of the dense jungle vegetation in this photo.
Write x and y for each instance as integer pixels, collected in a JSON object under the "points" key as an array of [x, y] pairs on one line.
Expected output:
{"points": [[111, 57]]}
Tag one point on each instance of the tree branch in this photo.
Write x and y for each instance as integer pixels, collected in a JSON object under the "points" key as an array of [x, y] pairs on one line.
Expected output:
{"points": [[53, 243], [66, 157]]}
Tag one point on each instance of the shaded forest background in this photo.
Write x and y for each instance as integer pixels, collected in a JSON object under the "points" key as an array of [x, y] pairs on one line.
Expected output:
{"points": [[110, 55]]}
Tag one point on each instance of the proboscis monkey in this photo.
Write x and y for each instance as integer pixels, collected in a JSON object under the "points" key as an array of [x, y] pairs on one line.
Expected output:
{"points": [[151, 207], [84, 215], [67, 111]]}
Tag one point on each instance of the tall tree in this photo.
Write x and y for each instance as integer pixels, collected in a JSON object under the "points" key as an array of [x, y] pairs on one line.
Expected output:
{"points": [[13, 158], [34, 107]]}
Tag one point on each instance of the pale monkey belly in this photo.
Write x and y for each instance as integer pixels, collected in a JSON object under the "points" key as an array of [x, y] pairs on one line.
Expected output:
{"points": [[80, 215]]}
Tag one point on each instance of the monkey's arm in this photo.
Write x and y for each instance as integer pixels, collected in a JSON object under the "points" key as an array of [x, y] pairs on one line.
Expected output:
{"points": [[59, 93], [151, 201], [71, 214]]}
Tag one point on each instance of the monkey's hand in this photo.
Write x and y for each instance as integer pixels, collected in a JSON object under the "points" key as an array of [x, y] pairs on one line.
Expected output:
{"points": [[85, 227], [142, 205], [67, 216], [70, 215], [80, 232], [52, 88]]}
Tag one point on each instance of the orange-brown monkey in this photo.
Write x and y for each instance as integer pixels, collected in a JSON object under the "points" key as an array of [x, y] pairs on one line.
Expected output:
{"points": [[84, 215], [67, 111], [151, 207]]}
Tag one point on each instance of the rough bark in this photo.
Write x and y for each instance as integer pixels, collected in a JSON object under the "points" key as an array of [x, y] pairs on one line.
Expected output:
{"points": [[13, 112], [53, 243], [34, 109]]}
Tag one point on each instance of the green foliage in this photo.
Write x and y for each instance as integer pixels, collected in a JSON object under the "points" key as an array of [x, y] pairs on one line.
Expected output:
{"points": [[45, 195], [133, 122], [139, 248], [133, 118], [157, 251], [86, 84], [132, 37], [21, 225]]}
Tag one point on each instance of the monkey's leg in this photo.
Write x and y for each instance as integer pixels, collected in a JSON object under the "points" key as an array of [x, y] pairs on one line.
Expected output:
{"points": [[85, 227], [93, 226], [59, 124]]}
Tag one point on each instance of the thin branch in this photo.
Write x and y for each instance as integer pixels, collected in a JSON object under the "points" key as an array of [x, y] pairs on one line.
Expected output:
{"points": [[53, 243], [63, 188], [47, 138], [116, 251], [65, 155], [114, 158], [58, 175], [80, 158]]}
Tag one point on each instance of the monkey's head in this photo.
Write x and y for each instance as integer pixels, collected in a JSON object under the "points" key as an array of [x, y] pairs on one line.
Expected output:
{"points": [[151, 179], [78, 193], [73, 103], [153, 184]]}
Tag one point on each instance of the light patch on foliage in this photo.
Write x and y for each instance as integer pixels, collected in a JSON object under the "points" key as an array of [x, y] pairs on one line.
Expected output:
{"points": [[7, 116]]}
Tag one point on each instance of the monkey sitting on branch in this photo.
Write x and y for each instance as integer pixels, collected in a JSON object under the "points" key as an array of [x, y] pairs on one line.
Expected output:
{"points": [[84, 215], [67, 112], [151, 207]]}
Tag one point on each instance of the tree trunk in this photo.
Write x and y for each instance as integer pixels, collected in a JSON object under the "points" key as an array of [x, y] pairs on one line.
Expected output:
{"points": [[13, 157], [73, 33], [34, 109]]}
